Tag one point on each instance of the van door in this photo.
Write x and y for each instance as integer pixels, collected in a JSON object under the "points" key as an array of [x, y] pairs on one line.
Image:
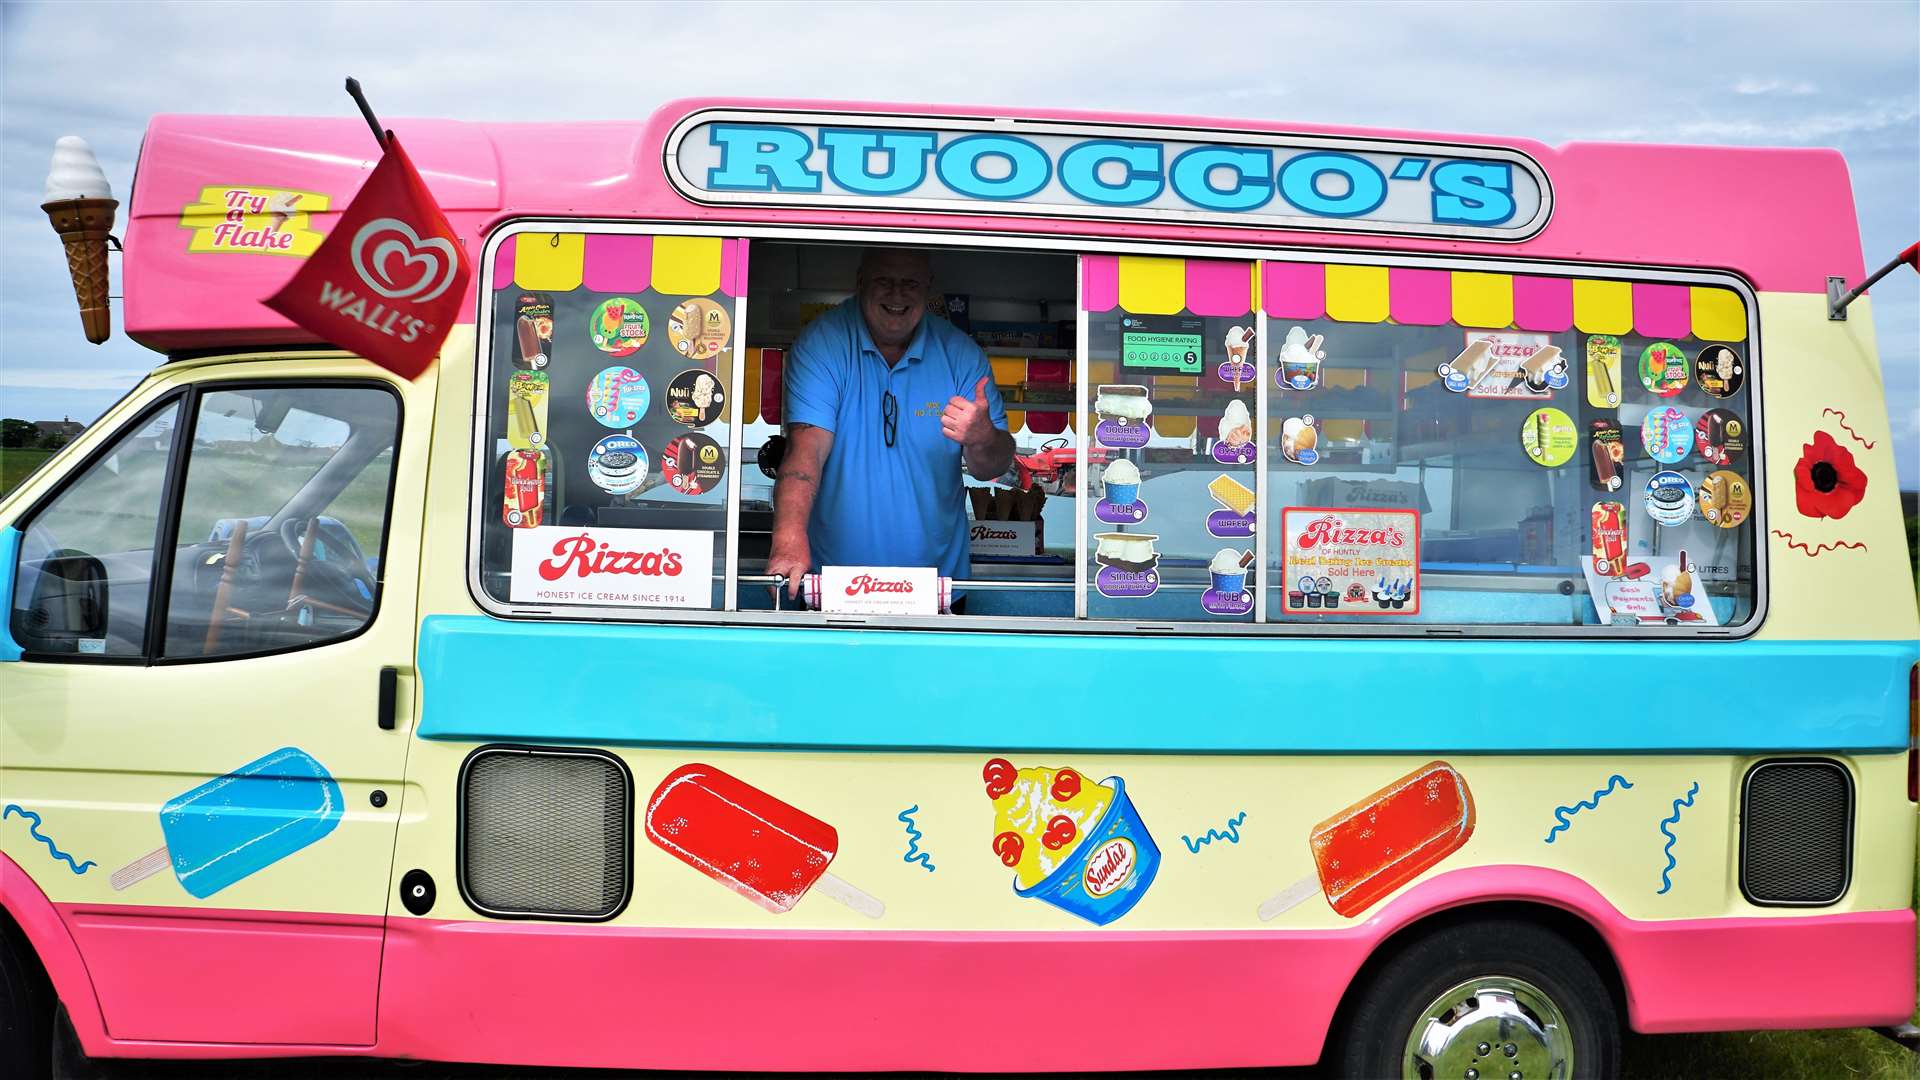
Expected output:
{"points": [[204, 611]]}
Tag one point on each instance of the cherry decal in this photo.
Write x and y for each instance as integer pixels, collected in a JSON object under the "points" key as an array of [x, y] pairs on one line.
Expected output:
{"points": [[1060, 833], [1066, 784], [999, 775], [1008, 846]]}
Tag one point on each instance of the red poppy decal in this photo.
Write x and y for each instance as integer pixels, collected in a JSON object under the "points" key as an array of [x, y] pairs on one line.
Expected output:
{"points": [[1826, 483]]}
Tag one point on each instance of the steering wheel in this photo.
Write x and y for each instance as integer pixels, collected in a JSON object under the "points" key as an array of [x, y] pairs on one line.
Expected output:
{"points": [[336, 565]]}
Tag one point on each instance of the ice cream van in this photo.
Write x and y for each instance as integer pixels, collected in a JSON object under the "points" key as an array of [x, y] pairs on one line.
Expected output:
{"points": [[1479, 624]]}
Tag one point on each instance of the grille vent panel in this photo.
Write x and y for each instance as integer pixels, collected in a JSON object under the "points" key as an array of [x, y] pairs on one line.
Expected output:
{"points": [[546, 833], [1796, 832]]}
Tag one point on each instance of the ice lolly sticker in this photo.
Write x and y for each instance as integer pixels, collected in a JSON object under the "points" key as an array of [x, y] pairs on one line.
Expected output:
{"points": [[526, 492], [1548, 437], [1667, 435], [618, 326], [532, 332], [1608, 455], [1236, 369], [1124, 413], [1122, 504], [617, 464], [766, 850], [694, 398], [1235, 446], [1609, 539], [240, 823], [1724, 499], [1234, 520], [693, 464], [1603, 371], [1719, 371], [1664, 369], [527, 410], [1071, 843], [618, 397], [1720, 436], [1129, 565], [699, 328], [1384, 841], [1300, 358], [1229, 594]]}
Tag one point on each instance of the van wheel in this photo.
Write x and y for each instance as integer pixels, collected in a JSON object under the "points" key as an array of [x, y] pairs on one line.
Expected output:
{"points": [[26, 1014], [1498, 999]]}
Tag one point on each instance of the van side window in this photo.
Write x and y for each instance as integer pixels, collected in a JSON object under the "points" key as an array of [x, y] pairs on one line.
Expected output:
{"points": [[86, 562], [282, 519]]}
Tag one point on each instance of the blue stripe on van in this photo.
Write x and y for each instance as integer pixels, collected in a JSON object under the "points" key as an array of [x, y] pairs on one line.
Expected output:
{"points": [[486, 679], [9, 557]]}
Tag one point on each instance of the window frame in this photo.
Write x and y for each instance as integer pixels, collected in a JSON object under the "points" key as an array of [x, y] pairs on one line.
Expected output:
{"points": [[160, 576], [1076, 247]]}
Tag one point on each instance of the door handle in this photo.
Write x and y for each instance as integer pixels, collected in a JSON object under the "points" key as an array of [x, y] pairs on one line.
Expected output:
{"points": [[389, 696]]}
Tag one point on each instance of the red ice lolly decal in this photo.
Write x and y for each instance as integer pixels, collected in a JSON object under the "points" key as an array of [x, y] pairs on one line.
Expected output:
{"points": [[760, 847]]}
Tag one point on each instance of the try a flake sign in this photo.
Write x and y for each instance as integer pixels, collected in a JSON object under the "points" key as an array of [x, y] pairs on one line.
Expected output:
{"points": [[1052, 169]]}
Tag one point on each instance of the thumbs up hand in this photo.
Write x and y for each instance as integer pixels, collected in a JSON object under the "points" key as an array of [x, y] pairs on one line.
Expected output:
{"points": [[968, 422]]}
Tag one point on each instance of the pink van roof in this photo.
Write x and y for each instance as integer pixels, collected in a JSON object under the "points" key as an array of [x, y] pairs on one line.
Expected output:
{"points": [[1783, 218]]}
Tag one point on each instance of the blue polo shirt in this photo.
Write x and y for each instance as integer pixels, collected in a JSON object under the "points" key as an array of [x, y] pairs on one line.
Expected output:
{"points": [[880, 505]]}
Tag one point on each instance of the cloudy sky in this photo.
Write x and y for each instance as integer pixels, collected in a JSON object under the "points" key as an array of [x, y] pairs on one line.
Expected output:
{"points": [[1844, 75]]}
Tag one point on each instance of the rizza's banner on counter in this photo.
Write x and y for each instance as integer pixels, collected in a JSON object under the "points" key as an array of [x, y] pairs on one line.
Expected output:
{"points": [[1048, 168]]}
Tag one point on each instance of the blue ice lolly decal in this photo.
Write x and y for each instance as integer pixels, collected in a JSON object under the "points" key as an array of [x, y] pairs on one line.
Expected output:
{"points": [[245, 821]]}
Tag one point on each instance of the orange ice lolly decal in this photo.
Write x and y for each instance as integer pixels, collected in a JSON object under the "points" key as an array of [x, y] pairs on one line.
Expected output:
{"points": [[1384, 841], [760, 847]]}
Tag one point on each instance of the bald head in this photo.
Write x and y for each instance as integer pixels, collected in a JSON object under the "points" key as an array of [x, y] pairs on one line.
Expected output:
{"points": [[893, 287]]}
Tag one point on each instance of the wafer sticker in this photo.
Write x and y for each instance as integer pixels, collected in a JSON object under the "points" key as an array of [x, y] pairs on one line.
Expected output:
{"points": [[617, 464], [692, 464], [618, 397], [1725, 499], [1720, 436], [1719, 371], [699, 328], [1664, 369], [1234, 519], [618, 326], [1669, 498], [1549, 438], [1603, 371], [1667, 435], [695, 398], [1608, 455]]}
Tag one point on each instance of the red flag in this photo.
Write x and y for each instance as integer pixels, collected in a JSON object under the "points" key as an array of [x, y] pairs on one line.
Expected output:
{"points": [[389, 280]]}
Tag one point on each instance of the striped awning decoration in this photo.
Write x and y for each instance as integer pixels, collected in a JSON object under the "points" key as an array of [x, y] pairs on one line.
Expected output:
{"points": [[615, 262]]}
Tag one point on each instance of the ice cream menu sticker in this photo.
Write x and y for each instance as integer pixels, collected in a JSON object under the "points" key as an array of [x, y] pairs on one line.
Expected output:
{"points": [[1344, 561], [613, 567]]}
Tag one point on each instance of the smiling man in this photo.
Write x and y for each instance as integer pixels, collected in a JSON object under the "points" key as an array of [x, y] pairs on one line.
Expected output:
{"points": [[884, 407]]}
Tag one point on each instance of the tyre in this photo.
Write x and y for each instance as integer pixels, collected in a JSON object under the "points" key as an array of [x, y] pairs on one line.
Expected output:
{"points": [[1494, 999], [26, 1014]]}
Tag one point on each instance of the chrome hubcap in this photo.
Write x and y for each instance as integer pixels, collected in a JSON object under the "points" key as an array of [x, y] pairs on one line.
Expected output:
{"points": [[1490, 1028]]}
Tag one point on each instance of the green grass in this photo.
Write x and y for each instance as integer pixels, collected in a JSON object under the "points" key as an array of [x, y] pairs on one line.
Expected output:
{"points": [[16, 465]]}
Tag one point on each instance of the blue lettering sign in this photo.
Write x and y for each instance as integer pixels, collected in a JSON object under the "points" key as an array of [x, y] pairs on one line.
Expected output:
{"points": [[1027, 165], [1300, 184], [1192, 177], [756, 157], [1080, 171], [1472, 193], [849, 151]]}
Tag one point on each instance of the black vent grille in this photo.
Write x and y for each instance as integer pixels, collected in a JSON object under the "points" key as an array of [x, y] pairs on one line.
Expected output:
{"points": [[1796, 832], [546, 833]]}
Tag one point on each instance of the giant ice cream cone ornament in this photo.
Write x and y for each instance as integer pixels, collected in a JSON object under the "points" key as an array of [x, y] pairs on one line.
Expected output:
{"points": [[81, 206]]}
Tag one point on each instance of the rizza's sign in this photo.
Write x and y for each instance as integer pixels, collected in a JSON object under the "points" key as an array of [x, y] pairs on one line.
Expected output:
{"points": [[1068, 170]]}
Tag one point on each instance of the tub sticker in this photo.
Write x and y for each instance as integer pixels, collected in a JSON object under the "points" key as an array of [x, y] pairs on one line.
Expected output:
{"points": [[1300, 439], [1719, 371], [1667, 434], [618, 326], [1300, 359], [1347, 561], [1227, 592], [1235, 446], [247, 219], [532, 332], [1603, 371], [618, 464], [693, 464], [1126, 414], [1121, 504], [695, 398], [1669, 498], [618, 396], [1720, 436], [1664, 369], [1549, 437], [527, 410], [1607, 454], [1071, 842], [613, 567], [1237, 371]]}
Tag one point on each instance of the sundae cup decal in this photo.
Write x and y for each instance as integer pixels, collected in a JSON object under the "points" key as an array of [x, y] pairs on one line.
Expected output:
{"points": [[1608, 454], [768, 851], [699, 328], [1609, 539], [618, 326], [1603, 371], [1234, 520], [1725, 499], [1667, 435], [1238, 370], [1235, 446], [533, 332], [1072, 843], [1122, 504], [617, 464], [1299, 362], [1125, 413], [1669, 498], [1719, 371], [527, 410], [1364, 853], [695, 398], [1229, 594], [618, 397], [1720, 436], [1549, 438], [1664, 369], [1129, 565], [1299, 439], [526, 492]]}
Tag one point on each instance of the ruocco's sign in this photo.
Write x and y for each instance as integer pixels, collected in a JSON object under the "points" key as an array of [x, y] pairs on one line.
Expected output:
{"points": [[1031, 167]]}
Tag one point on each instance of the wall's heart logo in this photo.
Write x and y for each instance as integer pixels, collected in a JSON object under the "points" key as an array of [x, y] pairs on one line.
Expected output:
{"points": [[426, 267]]}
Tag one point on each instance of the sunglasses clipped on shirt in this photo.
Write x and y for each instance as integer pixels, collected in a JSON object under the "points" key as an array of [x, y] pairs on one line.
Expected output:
{"points": [[889, 417]]}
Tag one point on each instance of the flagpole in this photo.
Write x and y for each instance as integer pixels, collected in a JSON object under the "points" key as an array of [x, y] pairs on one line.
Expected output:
{"points": [[366, 110]]}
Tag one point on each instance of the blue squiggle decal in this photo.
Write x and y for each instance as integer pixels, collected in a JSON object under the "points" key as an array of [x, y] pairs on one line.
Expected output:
{"points": [[1666, 875], [914, 854], [1563, 813], [33, 830], [1231, 836]]}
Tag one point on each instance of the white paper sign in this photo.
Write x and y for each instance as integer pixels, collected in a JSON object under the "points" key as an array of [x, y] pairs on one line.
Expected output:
{"points": [[1002, 537], [613, 567], [1653, 592], [880, 590]]}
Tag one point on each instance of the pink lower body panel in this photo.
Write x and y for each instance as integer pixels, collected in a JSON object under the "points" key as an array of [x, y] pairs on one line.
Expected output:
{"points": [[179, 983]]}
